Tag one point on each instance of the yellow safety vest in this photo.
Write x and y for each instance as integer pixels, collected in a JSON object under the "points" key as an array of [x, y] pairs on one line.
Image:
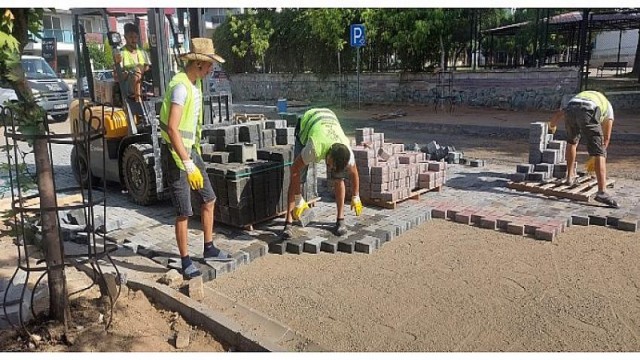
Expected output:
{"points": [[189, 138], [129, 62], [600, 100], [323, 127]]}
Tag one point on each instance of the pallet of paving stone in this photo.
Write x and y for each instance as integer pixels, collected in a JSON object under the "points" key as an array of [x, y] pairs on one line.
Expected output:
{"points": [[584, 189], [414, 195], [249, 227]]}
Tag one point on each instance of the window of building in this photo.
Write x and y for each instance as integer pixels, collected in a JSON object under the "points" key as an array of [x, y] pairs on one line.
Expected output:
{"points": [[51, 22], [87, 24]]}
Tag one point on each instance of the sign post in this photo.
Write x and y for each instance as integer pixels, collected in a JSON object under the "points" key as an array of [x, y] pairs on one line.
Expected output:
{"points": [[358, 40]]}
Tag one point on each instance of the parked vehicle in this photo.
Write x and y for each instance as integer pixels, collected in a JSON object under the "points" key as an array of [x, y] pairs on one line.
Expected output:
{"points": [[53, 94], [97, 75]]}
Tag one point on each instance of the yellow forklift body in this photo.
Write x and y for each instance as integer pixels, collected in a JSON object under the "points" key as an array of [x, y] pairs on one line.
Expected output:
{"points": [[115, 120]]}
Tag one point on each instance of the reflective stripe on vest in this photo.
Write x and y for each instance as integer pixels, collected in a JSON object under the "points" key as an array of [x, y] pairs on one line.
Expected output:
{"points": [[323, 128], [128, 61], [597, 98], [185, 127]]}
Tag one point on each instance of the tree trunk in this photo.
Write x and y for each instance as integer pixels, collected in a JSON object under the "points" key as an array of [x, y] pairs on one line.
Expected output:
{"points": [[339, 81], [443, 66], [58, 306], [31, 115]]}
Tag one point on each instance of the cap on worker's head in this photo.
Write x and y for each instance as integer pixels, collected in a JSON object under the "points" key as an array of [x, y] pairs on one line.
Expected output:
{"points": [[129, 28], [202, 50]]}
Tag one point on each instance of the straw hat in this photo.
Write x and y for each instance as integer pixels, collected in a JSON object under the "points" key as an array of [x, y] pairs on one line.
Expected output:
{"points": [[202, 50]]}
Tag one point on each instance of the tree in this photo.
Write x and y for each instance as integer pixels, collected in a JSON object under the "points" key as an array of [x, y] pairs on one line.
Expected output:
{"points": [[253, 33], [15, 25], [102, 58]]}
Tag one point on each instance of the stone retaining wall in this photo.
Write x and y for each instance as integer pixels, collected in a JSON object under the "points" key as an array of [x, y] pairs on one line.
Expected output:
{"points": [[536, 89], [528, 89]]}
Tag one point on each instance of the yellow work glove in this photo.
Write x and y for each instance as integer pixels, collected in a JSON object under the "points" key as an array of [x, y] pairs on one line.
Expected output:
{"points": [[591, 165], [552, 129], [356, 205], [194, 176], [301, 207]]}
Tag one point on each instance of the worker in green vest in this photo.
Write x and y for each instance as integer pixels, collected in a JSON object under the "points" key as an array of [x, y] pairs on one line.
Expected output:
{"points": [[587, 114], [320, 137], [135, 61], [181, 127]]}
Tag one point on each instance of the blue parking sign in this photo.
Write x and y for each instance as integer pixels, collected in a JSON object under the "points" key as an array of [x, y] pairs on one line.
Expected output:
{"points": [[357, 35]]}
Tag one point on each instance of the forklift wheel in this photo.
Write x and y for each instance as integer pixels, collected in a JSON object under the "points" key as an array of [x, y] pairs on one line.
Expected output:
{"points": [[139, 174], [80, 166]]}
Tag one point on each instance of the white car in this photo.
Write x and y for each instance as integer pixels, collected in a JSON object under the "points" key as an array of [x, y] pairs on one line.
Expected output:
{"points": [[53, 94]]}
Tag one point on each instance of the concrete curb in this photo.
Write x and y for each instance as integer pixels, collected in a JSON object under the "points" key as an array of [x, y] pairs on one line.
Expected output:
{"points": [[227, 329]]}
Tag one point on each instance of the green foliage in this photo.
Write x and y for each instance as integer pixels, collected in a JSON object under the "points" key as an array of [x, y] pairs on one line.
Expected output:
{"points": [[406, 39], [102, 58], [15, 26], [251, 32]]}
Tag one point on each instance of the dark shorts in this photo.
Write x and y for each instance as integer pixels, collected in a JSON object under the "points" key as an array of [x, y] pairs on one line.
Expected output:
{"points": [[297, 149], [582, 120], [180, 190]]}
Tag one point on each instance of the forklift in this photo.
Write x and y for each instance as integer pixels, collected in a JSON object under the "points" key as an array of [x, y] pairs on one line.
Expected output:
{"points": [[129, 152]]}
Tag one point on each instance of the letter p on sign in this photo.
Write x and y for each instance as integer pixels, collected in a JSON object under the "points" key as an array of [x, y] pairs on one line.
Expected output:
{"points": [[357, 35]]}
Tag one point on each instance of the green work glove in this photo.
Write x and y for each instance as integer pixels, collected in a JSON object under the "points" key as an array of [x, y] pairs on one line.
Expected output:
{"points": [[194, 176]]}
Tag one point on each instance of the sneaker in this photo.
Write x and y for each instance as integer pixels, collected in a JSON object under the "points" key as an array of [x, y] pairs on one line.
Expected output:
{"points": [[340, 228], [213, 253], [570, 181], [287, 232], [606, 199], [191, 272]]}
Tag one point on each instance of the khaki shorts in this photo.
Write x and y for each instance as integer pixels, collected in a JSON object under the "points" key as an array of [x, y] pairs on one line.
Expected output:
{"points": [[582, 120]]}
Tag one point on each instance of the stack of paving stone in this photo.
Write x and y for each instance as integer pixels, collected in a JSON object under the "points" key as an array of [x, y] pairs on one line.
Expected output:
{"points": [[546, 156], [249, 168], [388, 172]]}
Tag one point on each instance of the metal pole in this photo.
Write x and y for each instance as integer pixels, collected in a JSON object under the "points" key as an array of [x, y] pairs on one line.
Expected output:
{"points": [[619, 44], [358, 73]]}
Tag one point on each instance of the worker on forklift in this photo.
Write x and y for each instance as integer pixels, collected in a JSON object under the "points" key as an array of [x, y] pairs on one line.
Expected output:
{"points": [[319, 136], [181, 126], [135, 62]]}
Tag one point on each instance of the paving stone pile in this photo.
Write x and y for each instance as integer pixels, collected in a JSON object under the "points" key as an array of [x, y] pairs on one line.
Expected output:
{"points": [[546, 156], [388, 172], [249, 168]]}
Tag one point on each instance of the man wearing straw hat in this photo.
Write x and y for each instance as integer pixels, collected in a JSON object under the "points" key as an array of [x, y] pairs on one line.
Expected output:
{"points": [[181, 127]]}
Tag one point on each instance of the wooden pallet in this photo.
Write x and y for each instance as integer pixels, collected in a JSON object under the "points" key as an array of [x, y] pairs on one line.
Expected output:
{"points": [[584, 189], [415, 195], [249, 227]]}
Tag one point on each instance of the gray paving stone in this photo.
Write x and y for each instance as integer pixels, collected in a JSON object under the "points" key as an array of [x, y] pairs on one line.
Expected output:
{"points": [[597, 220], [367, 245], [329, 245], [295, 246], [628, 225], [312, 246]]}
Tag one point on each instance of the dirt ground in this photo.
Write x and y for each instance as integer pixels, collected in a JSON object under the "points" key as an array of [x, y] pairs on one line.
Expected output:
{"points": [[450, 287], [440, 287], [138, 325]]}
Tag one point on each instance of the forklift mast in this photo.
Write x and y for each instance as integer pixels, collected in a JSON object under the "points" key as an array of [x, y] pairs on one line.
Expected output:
{"points": [[158, 49]]}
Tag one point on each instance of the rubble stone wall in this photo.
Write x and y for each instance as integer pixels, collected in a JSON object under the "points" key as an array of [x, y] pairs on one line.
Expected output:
{"points": [[529, 89]]}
